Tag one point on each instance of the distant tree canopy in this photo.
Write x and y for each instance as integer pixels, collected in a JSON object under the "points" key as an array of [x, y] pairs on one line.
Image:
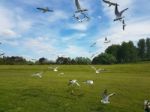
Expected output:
{"points": [[125, 53], [104, 58]]}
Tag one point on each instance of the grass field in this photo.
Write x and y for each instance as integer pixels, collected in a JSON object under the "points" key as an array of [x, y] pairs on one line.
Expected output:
{"points": [[20, 92]]}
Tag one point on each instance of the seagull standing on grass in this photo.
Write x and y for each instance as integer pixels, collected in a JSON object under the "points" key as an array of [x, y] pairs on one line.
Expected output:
{"points": [[119, 13], [147, 106], [89, 82], [55, 69], [106, 96], [73, 82], [39, 74]]}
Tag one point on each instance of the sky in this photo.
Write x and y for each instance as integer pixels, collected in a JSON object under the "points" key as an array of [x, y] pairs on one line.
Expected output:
{"points": [[27, 32]]}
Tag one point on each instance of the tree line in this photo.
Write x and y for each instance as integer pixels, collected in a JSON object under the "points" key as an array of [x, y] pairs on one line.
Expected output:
{"points": [[127, 52]]}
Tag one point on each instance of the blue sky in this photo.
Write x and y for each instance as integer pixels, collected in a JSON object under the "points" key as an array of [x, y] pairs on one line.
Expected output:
{"points": [[25, 31]]}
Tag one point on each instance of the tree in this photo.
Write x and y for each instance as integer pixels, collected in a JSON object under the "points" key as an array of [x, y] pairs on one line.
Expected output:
{"points": [[113, 50], [141, 49], [82, 60], [148, 48], [104, 58], [43, 61], [63, 60], [127, 52]]}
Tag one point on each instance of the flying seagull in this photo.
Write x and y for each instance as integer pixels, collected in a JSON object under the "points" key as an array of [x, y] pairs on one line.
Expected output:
{"points": [[106, 96], [39, 74], [97, 71], [93, 44], [44, 10], [106, 40], [123, 25], [109, 3], [2, 54], [119, 14], [73, 82], [79, 9]]}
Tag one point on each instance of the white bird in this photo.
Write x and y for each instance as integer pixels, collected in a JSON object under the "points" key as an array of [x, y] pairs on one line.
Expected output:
{"points": [[73, 82], [89, 82], [61, 74], [39, 74], [55, 69], [79, 9], [106, 40], [105, 97], [97, 71], [119, 14]]}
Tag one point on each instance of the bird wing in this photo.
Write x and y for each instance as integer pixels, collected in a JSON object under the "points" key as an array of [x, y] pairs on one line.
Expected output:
{"points": [[108, 2], [77, 4], [123, 10], [77, 84], [40, 8], [116, 10], [93, 67]]}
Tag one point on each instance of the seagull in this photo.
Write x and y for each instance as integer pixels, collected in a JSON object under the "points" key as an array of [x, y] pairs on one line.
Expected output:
{"points": [[2, 54], [55, 69], [61, 73], [89, 82], [44, 10], [106, 40], [39, 74], [73, 82], [93, 44], [106, 96], [79, 9], [110, 3], [97, 71], [119, 14], [124, 25]]}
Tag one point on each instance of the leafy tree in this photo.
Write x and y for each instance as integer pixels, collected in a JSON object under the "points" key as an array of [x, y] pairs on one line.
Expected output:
{"points": [[113, 50], [43, 60], [82, 60], [148, 48], [141, 49], [104, 58]]}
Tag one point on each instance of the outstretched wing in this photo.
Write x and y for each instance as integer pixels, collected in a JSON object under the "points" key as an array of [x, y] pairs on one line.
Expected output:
{"points": [[123, 10], [93, 68], [77, 4], [108, 2], [116, 10]]}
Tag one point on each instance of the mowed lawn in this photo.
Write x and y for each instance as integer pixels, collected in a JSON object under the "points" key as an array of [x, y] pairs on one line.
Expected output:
{"points": [[20, 92]]}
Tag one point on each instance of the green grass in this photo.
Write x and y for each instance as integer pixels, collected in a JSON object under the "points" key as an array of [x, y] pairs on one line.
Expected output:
{"points": [[20, 92]]}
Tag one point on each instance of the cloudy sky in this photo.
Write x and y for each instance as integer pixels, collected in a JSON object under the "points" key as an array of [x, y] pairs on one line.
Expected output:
{"points": [[25, 31]]}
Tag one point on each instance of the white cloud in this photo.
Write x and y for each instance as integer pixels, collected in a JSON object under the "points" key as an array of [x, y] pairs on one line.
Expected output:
{"points": [[79, 26], [74, 51]]}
